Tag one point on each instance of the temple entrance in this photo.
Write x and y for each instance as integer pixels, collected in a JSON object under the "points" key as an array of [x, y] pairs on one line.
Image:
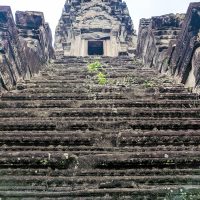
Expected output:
{"points": [[95, 48]]}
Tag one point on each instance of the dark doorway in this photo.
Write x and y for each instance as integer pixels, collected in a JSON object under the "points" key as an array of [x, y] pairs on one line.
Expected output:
{"points": [[95, 48]]}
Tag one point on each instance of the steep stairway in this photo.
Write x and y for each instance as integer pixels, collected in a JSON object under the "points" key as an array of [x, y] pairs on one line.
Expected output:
{"points": [[65, 136]]}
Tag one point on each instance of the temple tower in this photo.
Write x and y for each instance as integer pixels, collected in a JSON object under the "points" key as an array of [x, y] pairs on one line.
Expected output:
{"points": [[94, 27]]}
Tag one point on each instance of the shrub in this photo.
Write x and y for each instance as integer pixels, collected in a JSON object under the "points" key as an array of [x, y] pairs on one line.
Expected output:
{"points": [[94, 67], [101, 77]]}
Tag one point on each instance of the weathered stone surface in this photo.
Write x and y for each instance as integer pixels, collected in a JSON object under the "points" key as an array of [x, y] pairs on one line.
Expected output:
{"points": [[171, 44], [83, 22], [185, 59], [65, 136], [29, 20], [155, 36], [36, 37], [12, 61], [142, 33], [23, 48]]}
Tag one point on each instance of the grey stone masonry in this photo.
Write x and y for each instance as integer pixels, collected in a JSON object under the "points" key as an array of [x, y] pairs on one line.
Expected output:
{"points": [[86, 25]]}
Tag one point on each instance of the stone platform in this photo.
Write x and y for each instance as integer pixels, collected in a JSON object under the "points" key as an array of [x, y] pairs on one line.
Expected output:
{"points": [[65, 136]]}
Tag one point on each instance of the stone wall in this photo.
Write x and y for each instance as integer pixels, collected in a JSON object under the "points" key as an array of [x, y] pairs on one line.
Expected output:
{"points": [[186, 56], [171, 43], [24, 47], [155, 36]]}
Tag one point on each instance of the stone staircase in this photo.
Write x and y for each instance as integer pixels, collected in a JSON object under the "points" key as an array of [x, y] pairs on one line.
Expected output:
{"points": [[165, 36], [64, 136]]}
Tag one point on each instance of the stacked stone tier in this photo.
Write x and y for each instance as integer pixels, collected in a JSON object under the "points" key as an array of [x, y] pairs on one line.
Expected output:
{"points": [[64, 136]]}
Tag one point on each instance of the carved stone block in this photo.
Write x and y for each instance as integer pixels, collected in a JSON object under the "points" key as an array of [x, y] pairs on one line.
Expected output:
{"points": [[83, 22]]}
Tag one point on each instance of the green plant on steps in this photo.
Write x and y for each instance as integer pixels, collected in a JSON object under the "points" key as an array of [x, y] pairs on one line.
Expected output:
{"points": [[98, 73], [101, 77], [182, 194], [94, 67], [149, 84], [44, 162]]}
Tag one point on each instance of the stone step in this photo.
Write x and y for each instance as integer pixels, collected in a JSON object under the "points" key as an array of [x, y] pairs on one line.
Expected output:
{"points": [[84, 150], [94, 86], [79, 71], [154, 139], [40, 81], [101, 113], [96, 172], [98, 96], [179, 96], [151, 104], [107, 132], [123, 113], [86, 60], [52, 85], [63, 77], [66, 89], [84, 68], [105, 89], [174, 89], [165, 124], [97, 138], [62, 183], [61, 96], [118, 72], [62, 124], [102, 160], [69, 78], [107, 194]]}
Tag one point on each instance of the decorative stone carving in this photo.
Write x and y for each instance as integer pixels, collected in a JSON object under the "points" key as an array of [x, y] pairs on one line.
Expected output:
{"points": [[105, 23]]}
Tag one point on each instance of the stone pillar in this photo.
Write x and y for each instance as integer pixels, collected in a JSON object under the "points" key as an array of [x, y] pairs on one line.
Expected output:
{"points": [[84, 48], [114, 44], [75, 43], [105, 47], [111, 47]]}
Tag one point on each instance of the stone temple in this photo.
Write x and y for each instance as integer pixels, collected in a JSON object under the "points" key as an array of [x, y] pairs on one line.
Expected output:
{"points": [[94, 27], [99, 117]]}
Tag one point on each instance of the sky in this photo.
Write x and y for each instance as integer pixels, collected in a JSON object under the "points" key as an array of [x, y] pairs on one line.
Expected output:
{"points": [[138, 8]]}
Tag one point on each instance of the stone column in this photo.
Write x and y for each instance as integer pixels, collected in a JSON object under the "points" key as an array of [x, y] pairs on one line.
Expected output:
{"points": [[76, 44], [114, 44], [84, 48], [105, 48]]}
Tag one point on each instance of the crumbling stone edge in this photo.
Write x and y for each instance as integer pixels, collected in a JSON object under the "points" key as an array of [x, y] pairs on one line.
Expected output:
{"points": [[25, 46], [171, 43]]}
